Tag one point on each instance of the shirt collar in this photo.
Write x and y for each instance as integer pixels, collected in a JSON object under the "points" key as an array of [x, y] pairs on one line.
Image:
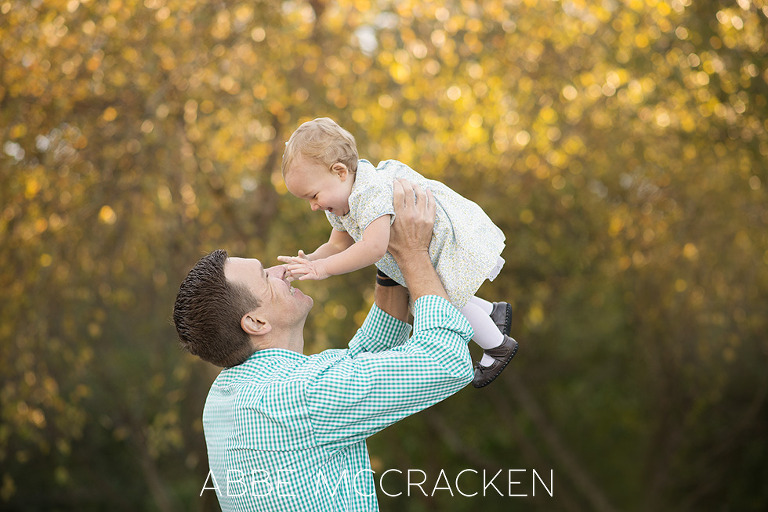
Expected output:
{"points": [[274, 352]]}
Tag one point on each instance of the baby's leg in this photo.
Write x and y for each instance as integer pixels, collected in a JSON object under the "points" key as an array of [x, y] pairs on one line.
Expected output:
{"points": [[487, 334], [491, 325], [486, 306], [500, 313]]}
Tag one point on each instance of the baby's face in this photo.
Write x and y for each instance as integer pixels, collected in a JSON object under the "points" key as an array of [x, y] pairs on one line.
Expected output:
{"points": [[325, 188]]}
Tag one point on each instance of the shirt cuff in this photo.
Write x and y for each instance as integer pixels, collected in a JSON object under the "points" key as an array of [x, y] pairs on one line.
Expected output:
{"points": [[379, 331], [433, 311]]}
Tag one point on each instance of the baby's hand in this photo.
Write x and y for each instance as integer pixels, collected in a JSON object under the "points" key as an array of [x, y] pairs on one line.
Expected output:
{"points": [[293, 259], [303, 269]]}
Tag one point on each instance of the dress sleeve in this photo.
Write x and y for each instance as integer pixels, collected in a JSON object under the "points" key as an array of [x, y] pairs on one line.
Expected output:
{"points": [[372, 201], [352, 398]]}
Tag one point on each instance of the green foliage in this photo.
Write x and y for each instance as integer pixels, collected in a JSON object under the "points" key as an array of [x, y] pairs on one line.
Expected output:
{"points": [[620, 144]]}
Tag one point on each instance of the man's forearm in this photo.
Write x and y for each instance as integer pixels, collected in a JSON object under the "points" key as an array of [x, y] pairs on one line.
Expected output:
{"points": [[420, 276], [393, 300]]}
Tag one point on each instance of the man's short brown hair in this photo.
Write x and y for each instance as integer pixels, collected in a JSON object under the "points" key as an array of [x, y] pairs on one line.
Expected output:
{"points": [[208, 310]]}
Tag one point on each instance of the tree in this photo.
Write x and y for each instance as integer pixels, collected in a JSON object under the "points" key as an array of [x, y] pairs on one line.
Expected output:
{"points": [[620, 145]]}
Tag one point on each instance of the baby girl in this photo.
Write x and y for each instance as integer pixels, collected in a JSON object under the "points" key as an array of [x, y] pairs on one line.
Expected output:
{"points": [[321, 166]]}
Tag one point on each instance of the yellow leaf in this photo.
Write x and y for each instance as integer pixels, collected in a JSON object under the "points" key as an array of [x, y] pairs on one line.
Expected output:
{"points": [[107, 215], [110, 114]]}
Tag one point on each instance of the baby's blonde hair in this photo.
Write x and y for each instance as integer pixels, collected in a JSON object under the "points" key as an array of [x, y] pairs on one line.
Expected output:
{"points": [[323, 141]]}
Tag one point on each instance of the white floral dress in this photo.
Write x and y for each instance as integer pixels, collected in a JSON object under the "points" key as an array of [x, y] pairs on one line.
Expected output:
{"points": [[466, 245]]}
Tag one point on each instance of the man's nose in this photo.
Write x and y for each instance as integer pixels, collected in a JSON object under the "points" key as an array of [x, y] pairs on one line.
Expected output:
{"points": [[277, 271]]}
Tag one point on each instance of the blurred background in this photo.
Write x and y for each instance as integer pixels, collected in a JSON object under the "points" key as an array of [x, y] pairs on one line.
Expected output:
{"points": [[621, 145]]}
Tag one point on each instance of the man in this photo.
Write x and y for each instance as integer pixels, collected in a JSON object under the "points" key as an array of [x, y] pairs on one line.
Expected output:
{"points": [[286, 431]]}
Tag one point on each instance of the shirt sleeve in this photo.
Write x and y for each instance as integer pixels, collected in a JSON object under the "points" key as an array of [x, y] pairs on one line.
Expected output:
{"points": [[379, 331], [352, 398]]}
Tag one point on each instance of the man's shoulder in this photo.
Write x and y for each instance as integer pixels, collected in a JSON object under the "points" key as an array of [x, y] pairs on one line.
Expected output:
{"points": [[276, 367], [269, 384]]}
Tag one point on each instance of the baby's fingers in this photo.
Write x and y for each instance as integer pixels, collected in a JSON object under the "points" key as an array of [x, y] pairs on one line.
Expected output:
{"points": [[289, 275], [297, 268], [296, 260]]}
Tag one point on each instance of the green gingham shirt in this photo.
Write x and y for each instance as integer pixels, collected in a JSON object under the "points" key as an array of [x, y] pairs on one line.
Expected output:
{"points": [[286, 432]]}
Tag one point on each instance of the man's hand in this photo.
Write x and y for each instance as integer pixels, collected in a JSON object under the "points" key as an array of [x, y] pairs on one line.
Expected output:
{"points": [[410, 236], [414, 219]]}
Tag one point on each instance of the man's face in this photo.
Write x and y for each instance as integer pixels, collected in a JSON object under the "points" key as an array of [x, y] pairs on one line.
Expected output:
{"points": [[283, 304]]}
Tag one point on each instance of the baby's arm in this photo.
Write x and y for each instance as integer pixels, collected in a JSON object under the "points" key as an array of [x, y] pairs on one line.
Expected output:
{"points": [[361, 254], [337, 242]]}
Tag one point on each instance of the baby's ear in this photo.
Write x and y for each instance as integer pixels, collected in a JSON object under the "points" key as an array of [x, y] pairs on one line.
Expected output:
{"points": [[340, 170]]}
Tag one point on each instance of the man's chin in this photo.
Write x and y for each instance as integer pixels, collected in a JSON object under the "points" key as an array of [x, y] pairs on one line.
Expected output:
{"points": [[301, 295]]}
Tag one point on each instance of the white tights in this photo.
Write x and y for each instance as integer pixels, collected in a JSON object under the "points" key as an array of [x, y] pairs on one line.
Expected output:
{"points": [[487, 335]]}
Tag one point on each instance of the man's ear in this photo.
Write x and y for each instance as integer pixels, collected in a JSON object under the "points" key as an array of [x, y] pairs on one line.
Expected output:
{"points": [[253, 324], [340, 170]]}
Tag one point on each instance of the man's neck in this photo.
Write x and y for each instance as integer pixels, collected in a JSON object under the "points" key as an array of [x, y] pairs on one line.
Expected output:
{"points": [[293, 341]]}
